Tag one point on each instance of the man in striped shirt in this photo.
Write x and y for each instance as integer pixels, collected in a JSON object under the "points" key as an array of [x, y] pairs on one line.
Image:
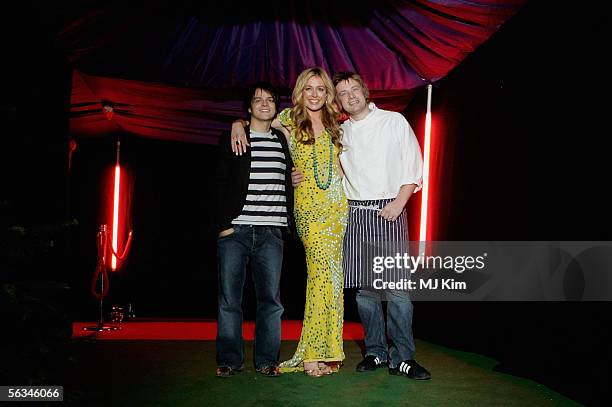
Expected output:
{"points": [[254, 207]]}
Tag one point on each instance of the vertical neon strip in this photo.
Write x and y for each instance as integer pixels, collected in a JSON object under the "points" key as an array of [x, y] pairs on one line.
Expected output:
{"points": [[116, 215], [426, 152]]}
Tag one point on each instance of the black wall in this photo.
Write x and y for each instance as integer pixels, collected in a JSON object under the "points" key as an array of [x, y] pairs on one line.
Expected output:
{"points": [[524, 118]]}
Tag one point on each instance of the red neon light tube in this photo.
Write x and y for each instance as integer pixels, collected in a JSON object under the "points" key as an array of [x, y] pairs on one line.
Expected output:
{"points": [[426, 153], [115, 230]]}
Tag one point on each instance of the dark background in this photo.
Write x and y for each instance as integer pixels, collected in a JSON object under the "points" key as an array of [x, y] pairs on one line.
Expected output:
{"points": [[523, 116]]}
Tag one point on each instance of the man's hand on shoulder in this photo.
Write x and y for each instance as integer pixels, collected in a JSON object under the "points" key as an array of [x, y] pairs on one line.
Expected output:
{"points": [[238, 139]]}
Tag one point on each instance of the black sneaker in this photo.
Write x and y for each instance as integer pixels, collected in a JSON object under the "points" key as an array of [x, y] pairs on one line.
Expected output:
{"points": [[269, 371], [410, 369], [226, 371], [369, 364]]}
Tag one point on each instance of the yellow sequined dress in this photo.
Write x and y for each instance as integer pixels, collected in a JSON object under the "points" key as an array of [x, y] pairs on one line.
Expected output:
{"points": [[320, 217]]}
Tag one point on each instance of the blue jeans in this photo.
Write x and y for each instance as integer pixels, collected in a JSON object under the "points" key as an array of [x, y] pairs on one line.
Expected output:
{"points": [[399, 324], [262, 246]]}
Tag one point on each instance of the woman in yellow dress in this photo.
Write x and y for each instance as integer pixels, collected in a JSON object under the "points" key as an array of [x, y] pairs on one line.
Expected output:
{"points": [[320, 211]]}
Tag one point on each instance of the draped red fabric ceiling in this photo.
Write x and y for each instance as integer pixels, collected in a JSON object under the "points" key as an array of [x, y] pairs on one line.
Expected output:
{"points": [[178, 73]]}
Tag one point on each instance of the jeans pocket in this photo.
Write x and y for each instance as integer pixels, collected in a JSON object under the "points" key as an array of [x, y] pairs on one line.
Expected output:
{"points": [[277, 234]]}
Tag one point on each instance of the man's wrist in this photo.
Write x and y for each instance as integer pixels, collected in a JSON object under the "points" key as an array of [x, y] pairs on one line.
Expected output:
{"points": [[401, 200]]}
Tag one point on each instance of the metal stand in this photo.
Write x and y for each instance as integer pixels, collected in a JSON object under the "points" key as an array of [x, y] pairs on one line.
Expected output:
{"points": [[101, 327]]}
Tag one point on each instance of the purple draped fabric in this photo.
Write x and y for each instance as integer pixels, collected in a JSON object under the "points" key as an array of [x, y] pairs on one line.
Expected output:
{"points": [[182, 72]]}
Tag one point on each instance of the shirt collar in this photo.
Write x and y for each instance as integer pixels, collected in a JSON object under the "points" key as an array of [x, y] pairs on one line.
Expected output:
{"points": [[372, 108]]}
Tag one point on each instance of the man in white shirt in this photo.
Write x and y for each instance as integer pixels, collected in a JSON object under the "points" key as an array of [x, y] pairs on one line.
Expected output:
{"points": [[383, 167]]}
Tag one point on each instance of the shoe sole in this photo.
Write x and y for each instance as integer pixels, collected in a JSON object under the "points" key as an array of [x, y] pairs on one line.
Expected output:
{"points": [[224, 376], [232, 373], [409, 377], [362, 370], [268, 375]]}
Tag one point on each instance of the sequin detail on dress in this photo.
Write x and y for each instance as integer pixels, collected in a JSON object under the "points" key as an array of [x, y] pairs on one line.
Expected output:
{"points": [[320, 217]]}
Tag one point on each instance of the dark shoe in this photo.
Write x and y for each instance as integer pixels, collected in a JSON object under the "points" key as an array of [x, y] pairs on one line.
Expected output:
{"points": [[269, 371], [226, 371], [410, 369], [369, 364]]}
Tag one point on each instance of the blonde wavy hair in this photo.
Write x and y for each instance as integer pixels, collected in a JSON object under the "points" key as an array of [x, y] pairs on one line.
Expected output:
{"points": [[329, 114]]}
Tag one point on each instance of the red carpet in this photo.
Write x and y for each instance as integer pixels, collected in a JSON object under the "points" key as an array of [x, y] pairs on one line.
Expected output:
{"points": [[194, 330]]}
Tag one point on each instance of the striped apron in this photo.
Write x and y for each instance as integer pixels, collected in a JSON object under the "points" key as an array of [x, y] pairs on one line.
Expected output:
{"points": [[369, 236]]}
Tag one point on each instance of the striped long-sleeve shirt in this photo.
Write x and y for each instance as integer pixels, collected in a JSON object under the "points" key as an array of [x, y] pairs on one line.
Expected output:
{"points": [[266, 200]]}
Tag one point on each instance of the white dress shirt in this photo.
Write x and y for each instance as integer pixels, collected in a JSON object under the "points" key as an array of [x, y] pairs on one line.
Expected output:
{"points": [[380, 154]]}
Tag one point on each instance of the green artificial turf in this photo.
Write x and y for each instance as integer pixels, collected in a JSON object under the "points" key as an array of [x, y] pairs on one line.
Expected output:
{"points": [[181, 373]]}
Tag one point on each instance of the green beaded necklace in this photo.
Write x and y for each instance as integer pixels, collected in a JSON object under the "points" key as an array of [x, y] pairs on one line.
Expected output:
{"points": [[315, 165]]}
